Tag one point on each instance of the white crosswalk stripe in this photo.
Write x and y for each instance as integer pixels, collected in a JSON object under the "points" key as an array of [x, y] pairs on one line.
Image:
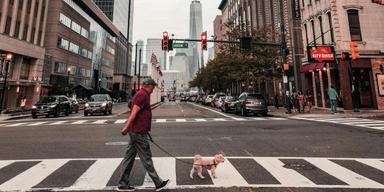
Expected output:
{"points": [[358, 122], [100, 172], [122, 121]]}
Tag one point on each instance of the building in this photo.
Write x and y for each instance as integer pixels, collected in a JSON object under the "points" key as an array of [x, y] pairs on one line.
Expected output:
{"points": [[195, 29], [335, 24], [22, 34], [80, 48], [266, 14], [154, 46], [219, 31], [121, 14], [179, 63], [174, 80]]}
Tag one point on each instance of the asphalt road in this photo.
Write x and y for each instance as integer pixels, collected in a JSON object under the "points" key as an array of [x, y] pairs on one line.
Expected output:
{"points": [[263, 153]]}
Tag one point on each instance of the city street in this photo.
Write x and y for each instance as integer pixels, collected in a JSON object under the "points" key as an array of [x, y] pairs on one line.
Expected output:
{"points": [[262, 153]]}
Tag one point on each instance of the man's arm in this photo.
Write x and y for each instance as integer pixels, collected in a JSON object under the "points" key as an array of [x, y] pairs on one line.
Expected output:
{"points": [[131, 118]]}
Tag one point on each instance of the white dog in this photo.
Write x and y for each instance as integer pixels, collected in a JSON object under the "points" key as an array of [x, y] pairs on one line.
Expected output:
{"points": [[209, 163]]}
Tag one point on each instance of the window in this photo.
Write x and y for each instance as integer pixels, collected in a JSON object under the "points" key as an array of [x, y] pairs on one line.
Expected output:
{"points": [[62, 43], [76, 27], [330, 26], [90, 54], [313, 31], [84, 33], [24, 69], [110, 50], [84, 52], [321, 29], [60, 67], [65, 20], [354, 25], [74, 48], [306, 33]]}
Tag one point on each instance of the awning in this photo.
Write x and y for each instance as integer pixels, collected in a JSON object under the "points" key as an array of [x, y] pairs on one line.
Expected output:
{"points": [[311, 67]]}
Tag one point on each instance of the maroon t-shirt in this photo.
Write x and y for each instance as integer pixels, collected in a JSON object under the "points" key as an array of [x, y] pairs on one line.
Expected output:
{"points": [[143, 120]]}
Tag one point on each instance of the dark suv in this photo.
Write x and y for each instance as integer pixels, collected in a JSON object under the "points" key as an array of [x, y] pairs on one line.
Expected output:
{"points": [[52, 105], [251, 103], [99, 103]]}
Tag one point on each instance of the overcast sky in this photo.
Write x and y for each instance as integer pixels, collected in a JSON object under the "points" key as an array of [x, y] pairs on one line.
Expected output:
{"points": [[152, 17]]}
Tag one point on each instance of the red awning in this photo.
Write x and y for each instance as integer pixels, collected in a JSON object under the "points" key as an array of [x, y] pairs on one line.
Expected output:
{"points": [[311, 67]]}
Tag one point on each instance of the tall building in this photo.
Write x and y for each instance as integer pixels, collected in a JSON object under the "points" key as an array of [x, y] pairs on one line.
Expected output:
{"points": [[335, 24], [22, 34], [218, 31], [195, 29], [154, 46]]}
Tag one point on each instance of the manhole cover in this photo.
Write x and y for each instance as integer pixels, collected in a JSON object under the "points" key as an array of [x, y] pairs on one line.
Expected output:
{"points": [[299, 166], [117, 143]]}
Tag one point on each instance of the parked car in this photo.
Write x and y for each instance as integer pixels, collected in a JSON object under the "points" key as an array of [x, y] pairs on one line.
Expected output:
{"points": [[251, 103], [208, 100], [172, 97], [51, 105], [99, 103], [192, 98], [183, 98], [215, 99], [220, 102], [228, 104], [199, 99], [74, 105]]}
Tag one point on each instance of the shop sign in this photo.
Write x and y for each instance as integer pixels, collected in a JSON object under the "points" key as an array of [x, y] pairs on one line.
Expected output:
{"points": [[321, 53]]}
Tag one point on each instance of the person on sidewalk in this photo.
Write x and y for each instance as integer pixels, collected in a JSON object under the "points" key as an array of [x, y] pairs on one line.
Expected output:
{"points": [[333, 96], [356, 100], [309, 97], [138, 127], [277, 101], [300, 100], [23, 103]]}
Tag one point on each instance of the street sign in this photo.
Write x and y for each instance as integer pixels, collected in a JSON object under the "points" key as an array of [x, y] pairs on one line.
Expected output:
{"points": [[180, 45]]}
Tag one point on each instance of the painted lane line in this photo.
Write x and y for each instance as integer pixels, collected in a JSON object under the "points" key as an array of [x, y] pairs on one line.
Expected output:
{"points": [[166, 168], [227, 176], [96, 176], [377, 164], [38, 123], [15, 125], [239, 119], [343, 174], [33, 176], [259, 118], [79, 122], [181, 120], [287, 177], [5, 163], [161, 120], [120, 121], [58, 123], [200, 120], [219, 119], [100, 122], [214, 111], [277, 118]]}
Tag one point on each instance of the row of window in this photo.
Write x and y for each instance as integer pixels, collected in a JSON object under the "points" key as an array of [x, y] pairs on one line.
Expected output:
{"points": [[110, 49], [65, 44], [75, 71], [106, 62], [73, 25]]}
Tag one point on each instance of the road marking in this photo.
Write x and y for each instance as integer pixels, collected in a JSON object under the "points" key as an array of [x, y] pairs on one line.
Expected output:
{"points": [[161, 120], [259, 118], [100, 122], [200, 120], [166, 167], [219, 119], [239, 119], [181, 120], [286, 177], [120, 121], [343, 174], [79, 122], [38, 123], [16, 124], [5, 163], [227, 176], [58, 123], [366, 123], [33, 176], [214, 111], [277, 118], [373, 163], [97, 176]]}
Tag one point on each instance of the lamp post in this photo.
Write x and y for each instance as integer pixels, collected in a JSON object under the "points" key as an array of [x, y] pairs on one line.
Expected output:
{"points": [[99, 85], [68, 76], [8, 59]]}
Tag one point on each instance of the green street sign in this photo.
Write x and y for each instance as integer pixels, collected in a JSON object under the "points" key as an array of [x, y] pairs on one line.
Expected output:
{"points": [[180, 45]]}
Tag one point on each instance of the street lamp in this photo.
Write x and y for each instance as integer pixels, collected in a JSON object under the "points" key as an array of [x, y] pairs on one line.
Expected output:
{"points": [[8, 59], [99, 84], [68, 73]]}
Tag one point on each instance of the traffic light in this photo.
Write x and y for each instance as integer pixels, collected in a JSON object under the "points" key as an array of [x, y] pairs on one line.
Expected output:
{"points": [[165, 41], [354, 50], [204, 40], [345, 56]]}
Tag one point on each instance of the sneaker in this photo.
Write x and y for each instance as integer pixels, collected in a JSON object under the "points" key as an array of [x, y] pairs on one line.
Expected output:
{"points": [[162, 185], [125, 188]]}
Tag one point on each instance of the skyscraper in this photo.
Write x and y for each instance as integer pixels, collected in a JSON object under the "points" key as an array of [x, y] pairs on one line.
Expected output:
{"points": [[195, 29]]}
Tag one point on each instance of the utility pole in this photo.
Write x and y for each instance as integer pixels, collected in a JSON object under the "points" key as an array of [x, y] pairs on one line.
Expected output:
{"points": [[138, 81], [284, 58], [134, 81]]}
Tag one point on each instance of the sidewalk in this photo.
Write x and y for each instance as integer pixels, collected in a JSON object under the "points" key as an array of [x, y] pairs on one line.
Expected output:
{"points": [[364, 113]]}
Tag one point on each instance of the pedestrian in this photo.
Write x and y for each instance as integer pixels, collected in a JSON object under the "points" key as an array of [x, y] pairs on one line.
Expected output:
{"points": [[138, 127], [300, 101], [356, 100], [277, 101], [309, 98], [23, 103], [333, 96]]}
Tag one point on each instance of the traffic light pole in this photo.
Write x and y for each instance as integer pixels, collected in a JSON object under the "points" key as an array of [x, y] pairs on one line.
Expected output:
{"points": [[233, 42], [284, 59], [138, 80]]}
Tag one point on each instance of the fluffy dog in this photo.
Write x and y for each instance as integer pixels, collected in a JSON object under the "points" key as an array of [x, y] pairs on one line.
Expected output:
{"points": [[209, 163]]}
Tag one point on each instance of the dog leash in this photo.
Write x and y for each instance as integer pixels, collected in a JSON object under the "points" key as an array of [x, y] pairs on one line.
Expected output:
{"points": [[165, 151]]}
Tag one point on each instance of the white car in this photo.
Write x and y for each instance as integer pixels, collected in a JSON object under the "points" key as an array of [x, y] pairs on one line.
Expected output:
{"points": [[208, 100], [220, 102]]}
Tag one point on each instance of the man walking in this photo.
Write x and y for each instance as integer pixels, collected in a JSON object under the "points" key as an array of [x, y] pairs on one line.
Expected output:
{"points": [[332, 94], [138, 126]]}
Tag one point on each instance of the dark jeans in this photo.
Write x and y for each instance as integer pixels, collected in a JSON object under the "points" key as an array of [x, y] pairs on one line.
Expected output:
{"points": [[138, 144], [333, 105]]}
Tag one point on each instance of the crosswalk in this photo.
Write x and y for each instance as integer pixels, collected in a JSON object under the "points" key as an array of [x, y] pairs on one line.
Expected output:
{"points": [[352, 121], [103, 173], [122, 121]]}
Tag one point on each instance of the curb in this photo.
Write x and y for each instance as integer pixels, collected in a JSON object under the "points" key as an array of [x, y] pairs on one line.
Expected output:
{"points": [[17, 117]]}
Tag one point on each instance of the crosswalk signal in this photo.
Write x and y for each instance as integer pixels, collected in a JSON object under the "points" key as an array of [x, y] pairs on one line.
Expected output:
{"points": [[204, 40], [165, 41], [354, 50]]}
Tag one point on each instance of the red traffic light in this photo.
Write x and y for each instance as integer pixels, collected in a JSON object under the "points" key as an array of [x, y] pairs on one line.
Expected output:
{"points": [[204, 40], [165, 34], [165, 41]]}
